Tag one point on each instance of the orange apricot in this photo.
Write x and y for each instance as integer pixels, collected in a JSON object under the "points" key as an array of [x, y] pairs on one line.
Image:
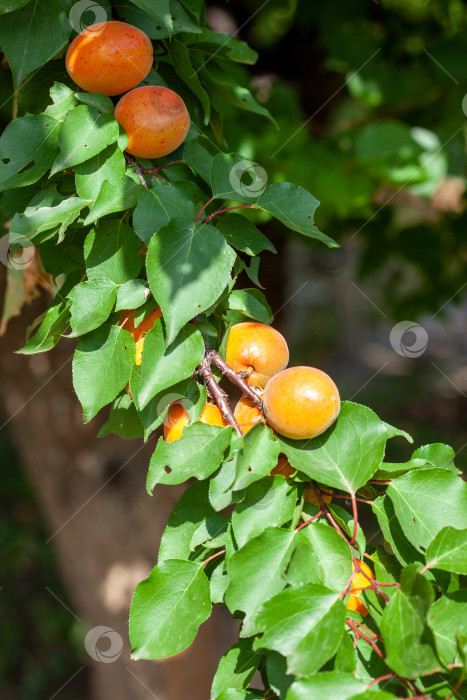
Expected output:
{"points": [[178, 418], [247, 414], [257, 349], [301, 402], [109, 58], [359, 582], [127, 321], [311, 497], [283, 468], [155, 119], [354, 603]]}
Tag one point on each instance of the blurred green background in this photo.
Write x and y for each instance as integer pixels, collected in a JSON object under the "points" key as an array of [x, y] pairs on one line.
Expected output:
{"points": [[370, 99]]}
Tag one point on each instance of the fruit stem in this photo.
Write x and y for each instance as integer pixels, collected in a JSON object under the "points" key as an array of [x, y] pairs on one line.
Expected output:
{"points": [[204, 370], [234, 377]]}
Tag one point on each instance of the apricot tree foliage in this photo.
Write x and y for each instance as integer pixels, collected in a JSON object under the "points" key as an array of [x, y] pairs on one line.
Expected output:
{"points": [[108, 234]]}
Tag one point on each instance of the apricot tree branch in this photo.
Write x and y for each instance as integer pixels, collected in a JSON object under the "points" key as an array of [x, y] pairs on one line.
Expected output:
{"points": [[234, 377], [204, 370]]}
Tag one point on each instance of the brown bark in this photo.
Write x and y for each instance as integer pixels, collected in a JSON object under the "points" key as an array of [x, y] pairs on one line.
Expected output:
{"points": [[104, 526]]}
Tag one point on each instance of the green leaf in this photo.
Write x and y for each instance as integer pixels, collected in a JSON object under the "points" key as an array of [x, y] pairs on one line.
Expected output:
{"points": [[348, 453], [304, 624], [154, 414], [54, 323], [180, 58], [164, 365], [84, 133], [409, 649], [237, 178], [219, 43], [10, 5], [251, 303], [167, 609], [108, 165], [437, 454], [268, 502], [188, 268], [295, 207], [63, 100], [236, 668], [332, 554], [220, 494], [187, 516], [211, 533], [426, 501], [35, 219], [131, 295], [123, 419], [241, 234], [448, 551], [157, 206], [328, 684], [257, 457], [161, 13], [111, 250], [199, 154], [218, 583], [33, 35], [27, 150], [276, 668], [101, 367], [448, 620], [113, 198], [197, 454], [249, 587], [100, 102], [304, 566], [405, 552], [226, 87], [91, 305]]}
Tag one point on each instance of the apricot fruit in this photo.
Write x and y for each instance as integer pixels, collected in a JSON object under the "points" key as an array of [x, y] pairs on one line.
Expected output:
{"points": [[301, 402], [177, 419], [283, 468], [109, 58], [127, 322], [155, 119], [256, 349], [359, 582], [310, 497], [247, 414]]}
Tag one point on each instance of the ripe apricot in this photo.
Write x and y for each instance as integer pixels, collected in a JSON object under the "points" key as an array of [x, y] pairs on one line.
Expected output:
{"points": [[247, 414], [127, 321], [301, 402], [359, 583], [257, 349], [155, 119], [283, 467], [177, 419], [109, 58], [311, 497], [354, 603]]}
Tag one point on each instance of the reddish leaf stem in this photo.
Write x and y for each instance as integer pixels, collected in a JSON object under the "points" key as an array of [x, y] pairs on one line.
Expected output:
{"points": [[154, 171], [355, 519], [310, 520], [203, 208], [222, 211], [204, 370], [325, 510], [217, 554], [341, 495], [362, 635], [381, 679], [234, 377]]}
